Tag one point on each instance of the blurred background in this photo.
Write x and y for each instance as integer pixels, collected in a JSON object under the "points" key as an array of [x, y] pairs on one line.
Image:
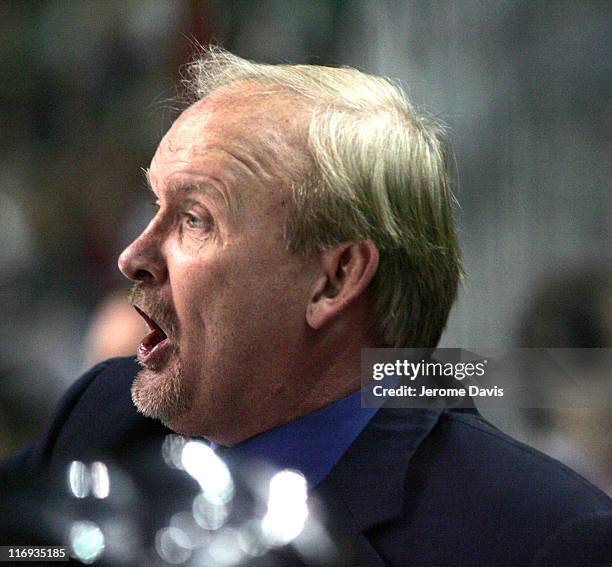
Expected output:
{"points": [[87, 90]]}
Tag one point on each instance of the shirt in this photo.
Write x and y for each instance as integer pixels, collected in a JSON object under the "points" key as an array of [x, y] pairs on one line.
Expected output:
{"points": [[311, 444]]}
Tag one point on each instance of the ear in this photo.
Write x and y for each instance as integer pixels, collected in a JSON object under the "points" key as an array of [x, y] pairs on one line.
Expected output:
{"points": [[346, 271]]}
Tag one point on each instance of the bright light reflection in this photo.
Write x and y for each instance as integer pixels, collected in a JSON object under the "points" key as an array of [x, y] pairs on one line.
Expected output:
{"points": [[185, 522], [250, 540], [123, 540], [200, 461], [100, 481], [79, 479], [209, 515], [173, 545], [86, 541], [224, 549], [172, 450], [287, 509]]}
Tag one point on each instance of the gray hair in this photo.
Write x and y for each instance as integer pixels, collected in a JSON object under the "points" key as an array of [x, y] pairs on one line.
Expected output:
{"points": [[381, 174]]}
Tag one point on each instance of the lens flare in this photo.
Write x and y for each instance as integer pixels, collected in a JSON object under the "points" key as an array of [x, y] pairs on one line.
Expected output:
{"points": [[86, 541], [172, 450], [79, 479], [209, 515], [212, 474], [224, 548], [100, 480], [287, 509], [173, 545]]}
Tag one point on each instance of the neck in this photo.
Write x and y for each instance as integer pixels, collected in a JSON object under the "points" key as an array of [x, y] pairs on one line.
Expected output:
{"points": [[321, 379]]}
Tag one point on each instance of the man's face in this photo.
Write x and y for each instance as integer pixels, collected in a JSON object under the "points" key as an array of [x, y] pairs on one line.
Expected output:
{"points": [[224, 298]]}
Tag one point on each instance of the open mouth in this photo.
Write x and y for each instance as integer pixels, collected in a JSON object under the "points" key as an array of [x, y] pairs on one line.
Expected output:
{"points": [[155, 346]]}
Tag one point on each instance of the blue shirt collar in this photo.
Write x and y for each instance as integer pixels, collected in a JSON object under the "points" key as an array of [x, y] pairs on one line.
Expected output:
{"points": [[311, 444]]}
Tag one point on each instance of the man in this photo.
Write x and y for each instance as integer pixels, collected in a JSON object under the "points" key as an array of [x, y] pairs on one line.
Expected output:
{"points": [[304, 213]]}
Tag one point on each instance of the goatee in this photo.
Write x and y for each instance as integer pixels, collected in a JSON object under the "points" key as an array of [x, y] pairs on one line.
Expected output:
{"points": [[159, 392]]}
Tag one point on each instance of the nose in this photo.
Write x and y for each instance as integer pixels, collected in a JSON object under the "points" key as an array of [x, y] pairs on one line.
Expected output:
{"points": [[142, 260]]}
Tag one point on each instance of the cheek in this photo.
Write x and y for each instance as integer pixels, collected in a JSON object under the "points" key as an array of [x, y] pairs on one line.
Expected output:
{"points": [[197, 294], [242, 289]]}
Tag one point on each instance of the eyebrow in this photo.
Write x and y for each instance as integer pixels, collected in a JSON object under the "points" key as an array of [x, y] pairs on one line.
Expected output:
{"points": [[219, 196]]}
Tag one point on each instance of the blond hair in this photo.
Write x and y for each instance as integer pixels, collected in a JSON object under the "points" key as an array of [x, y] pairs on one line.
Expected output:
{"points": [[381, 174]]}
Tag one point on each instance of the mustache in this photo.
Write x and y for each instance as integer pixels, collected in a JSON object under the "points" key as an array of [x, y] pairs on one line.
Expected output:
{"points": [[160, 311]]}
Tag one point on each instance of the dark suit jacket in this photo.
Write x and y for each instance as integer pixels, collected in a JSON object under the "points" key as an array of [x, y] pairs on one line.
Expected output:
{"points": [[417, 487]]}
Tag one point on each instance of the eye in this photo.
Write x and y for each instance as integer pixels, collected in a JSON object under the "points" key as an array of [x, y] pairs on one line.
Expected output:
{"points": [[195, 222]]}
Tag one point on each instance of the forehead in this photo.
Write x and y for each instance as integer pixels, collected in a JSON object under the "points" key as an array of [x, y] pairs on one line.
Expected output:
{"points": [[240, 130]]}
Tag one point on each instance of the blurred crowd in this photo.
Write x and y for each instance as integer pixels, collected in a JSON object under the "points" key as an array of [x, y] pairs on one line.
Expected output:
{"points": [[88, 88]]}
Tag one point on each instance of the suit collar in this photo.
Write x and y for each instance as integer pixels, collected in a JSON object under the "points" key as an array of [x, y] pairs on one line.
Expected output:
{"points": [[374, 468]]}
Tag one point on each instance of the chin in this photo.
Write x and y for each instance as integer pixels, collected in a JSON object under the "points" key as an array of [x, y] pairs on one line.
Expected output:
{"points": [[160, 394]]}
